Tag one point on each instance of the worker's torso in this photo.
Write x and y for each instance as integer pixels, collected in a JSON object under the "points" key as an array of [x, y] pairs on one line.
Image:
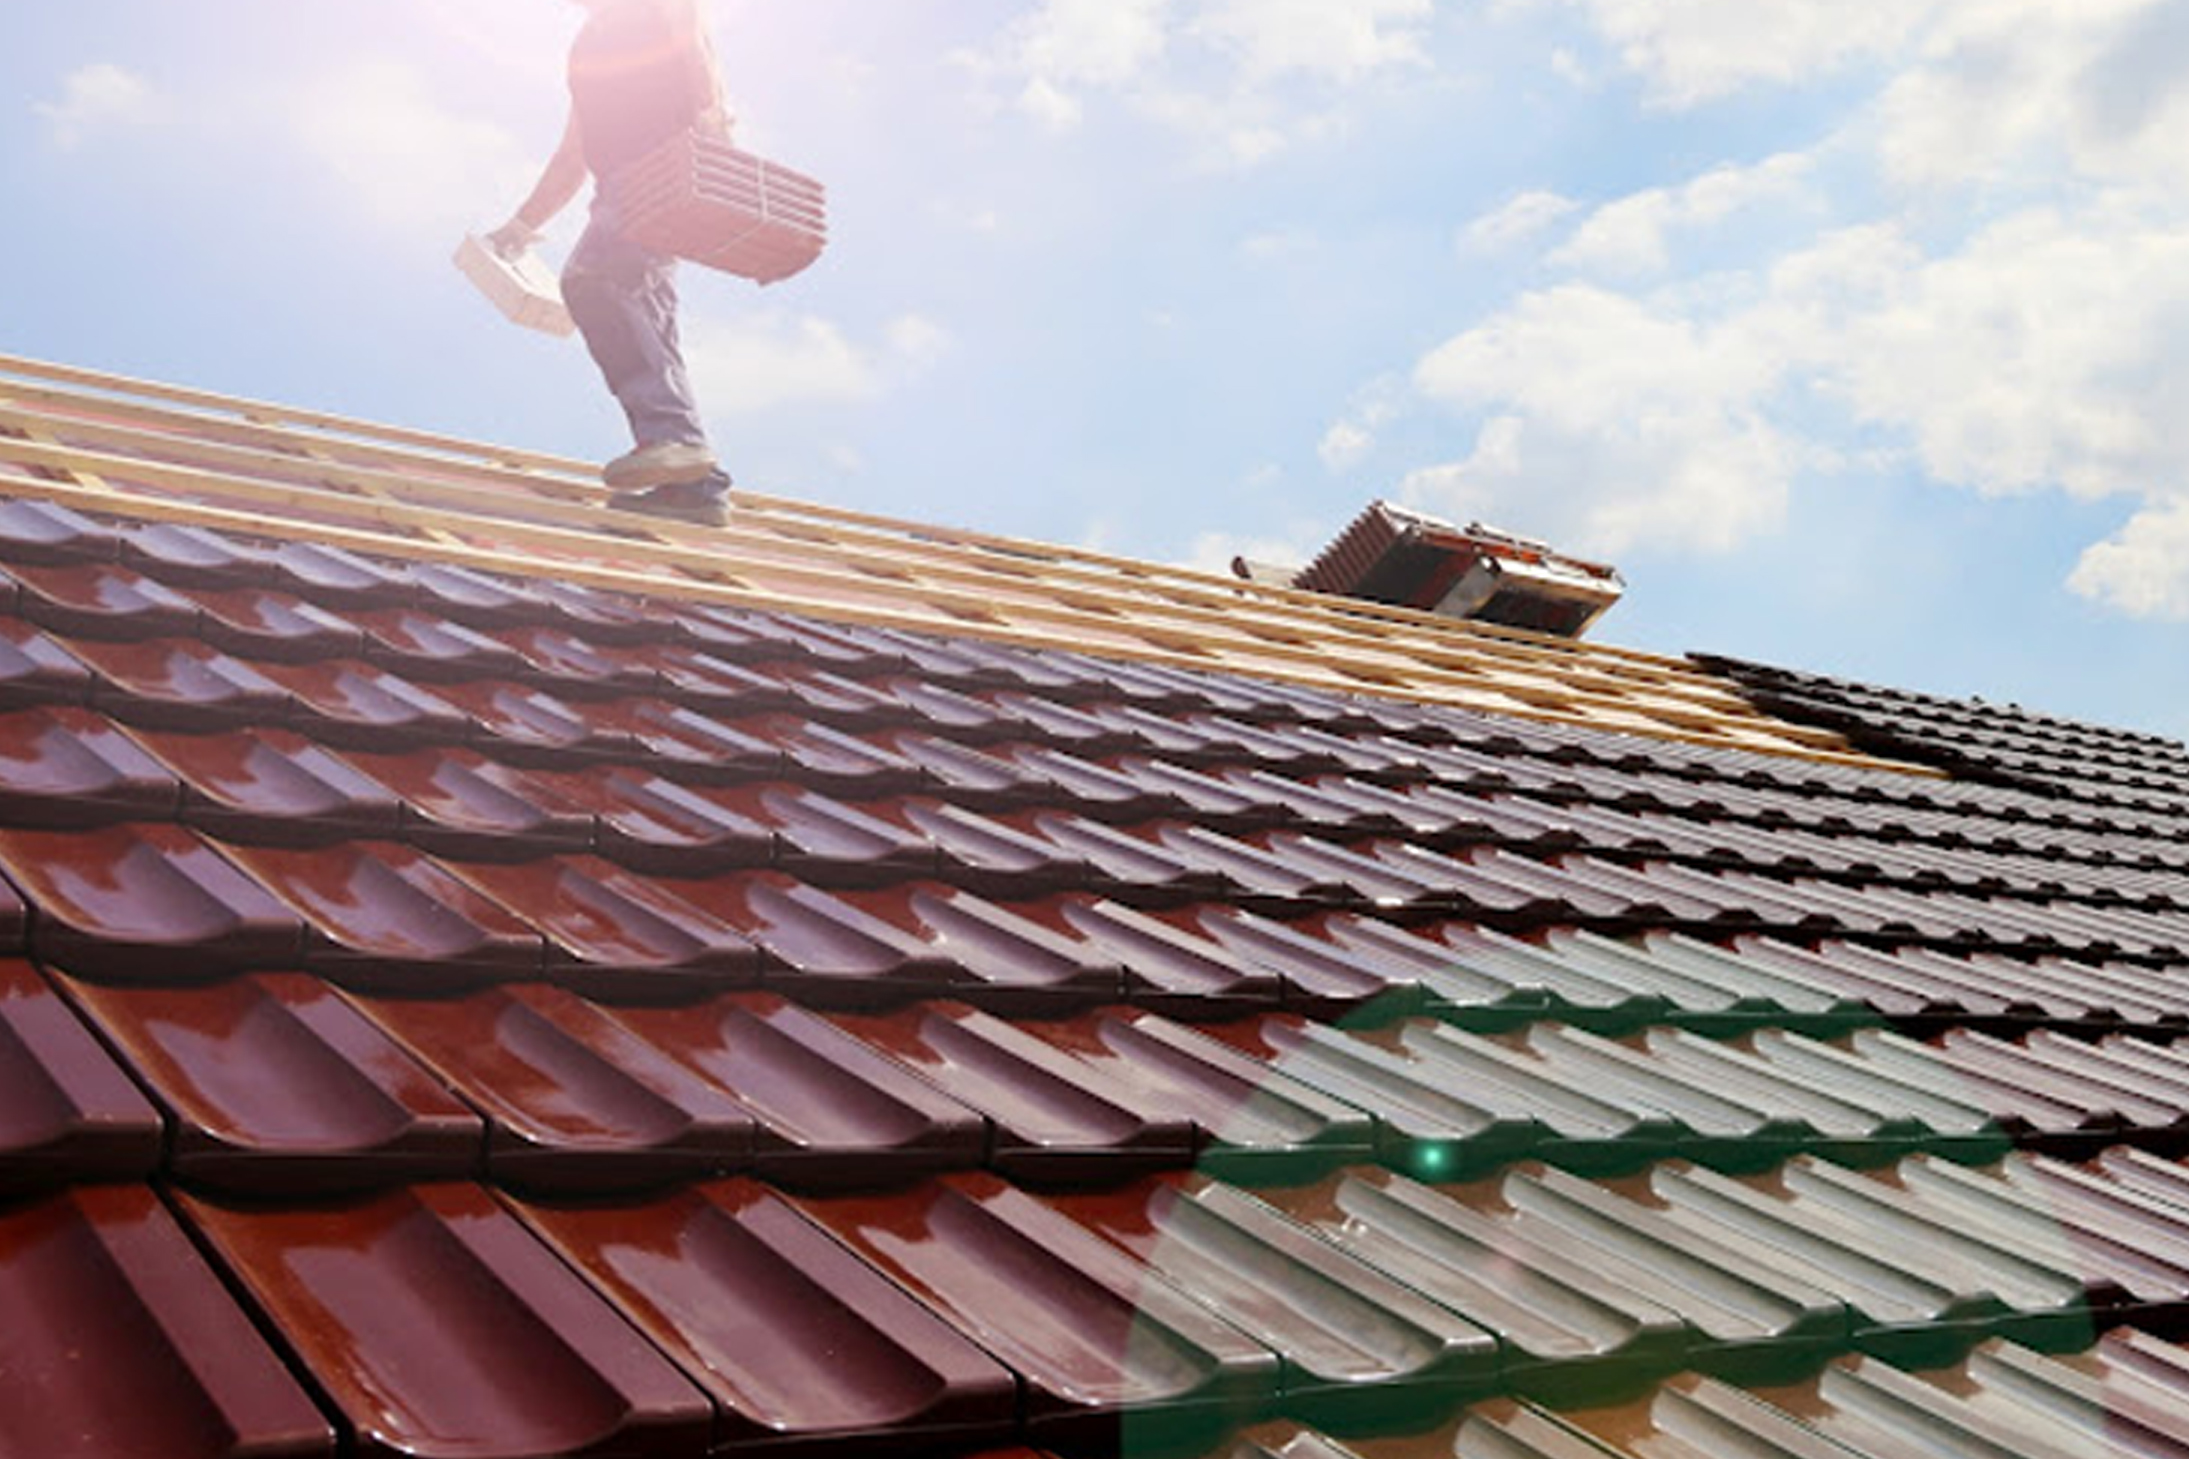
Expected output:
{"points": [[635, 82]]}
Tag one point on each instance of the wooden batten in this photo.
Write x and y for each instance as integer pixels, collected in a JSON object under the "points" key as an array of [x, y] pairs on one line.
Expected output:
{"points": [[123, 447]]}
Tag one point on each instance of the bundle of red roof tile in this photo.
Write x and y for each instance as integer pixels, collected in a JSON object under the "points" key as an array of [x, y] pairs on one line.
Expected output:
{"points": [[702, 199]]}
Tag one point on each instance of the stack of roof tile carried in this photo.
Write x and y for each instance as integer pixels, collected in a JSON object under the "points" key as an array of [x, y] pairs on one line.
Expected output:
{"points": [[453, 1007]]}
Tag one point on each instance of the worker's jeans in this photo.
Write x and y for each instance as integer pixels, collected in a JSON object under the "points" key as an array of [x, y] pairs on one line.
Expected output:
{"points": [[623, 298]]}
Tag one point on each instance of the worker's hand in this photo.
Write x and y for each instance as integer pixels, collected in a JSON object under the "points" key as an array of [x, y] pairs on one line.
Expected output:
{"points": [[513, 238]]}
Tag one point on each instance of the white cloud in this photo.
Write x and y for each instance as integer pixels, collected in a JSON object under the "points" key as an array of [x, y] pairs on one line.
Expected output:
{"points": [[1521, 219], [2045, 353], [1353, 439], [2142, 570], [94, 99], [1065, 46], [918, 340], [1242, 80], [1341, 39], [1998, 299], [764, 361], [1614, 423], [1634, 234], [1048, 104], [2097, 87], [1345, 445], [1692, 51], [1093, 42]]}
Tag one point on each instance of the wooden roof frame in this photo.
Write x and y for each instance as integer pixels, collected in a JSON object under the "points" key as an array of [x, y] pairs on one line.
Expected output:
{"points": [[120, 446]]}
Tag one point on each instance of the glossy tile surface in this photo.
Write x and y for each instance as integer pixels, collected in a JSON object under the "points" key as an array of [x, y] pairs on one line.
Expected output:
{"points": [[533, 1361], [353, 1109], [531, 1019], [794, 1338], [68, 1111], [122, 1342]]}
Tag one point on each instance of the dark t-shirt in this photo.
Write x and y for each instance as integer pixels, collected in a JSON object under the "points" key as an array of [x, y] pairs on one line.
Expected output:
{"points": [[635, 83]]}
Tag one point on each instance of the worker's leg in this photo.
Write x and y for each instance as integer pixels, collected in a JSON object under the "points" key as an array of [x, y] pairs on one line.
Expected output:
{"points": [[623, 298]]}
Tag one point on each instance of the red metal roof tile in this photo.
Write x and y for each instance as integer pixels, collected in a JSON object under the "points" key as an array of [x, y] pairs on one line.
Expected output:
{"points": [[376, 872], [1747, 1315], [67, 1111], [36, 531], [176, 552], [1423, 1122], [1360, 1349], [179, 684], [609, 927], [142, 902], [426, 646], [1250, 1118], [1104, 1347], [435, 1323], [64, 766], [1057, 1119], [460, 801], [271, 785], [350, 701], [573, 1098], [383, 913], [797, 1341], [34, 669], [1166, 963], [1923, 1285], [136, 1349], [1018, 957], [1567, 1334], [833, 1112], [823, 948], [817, 832], [101, 600], [351, 1109], [258, 624]]}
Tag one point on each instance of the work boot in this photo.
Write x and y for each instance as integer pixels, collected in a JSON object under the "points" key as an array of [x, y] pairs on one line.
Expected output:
{"points": [[659, 465], [704, 502]]}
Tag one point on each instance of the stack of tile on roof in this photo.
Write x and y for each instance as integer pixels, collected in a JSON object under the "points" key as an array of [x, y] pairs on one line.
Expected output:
{"points": [[452, 1010]]}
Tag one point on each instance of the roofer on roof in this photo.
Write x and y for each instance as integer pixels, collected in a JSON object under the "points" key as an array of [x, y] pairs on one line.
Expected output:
{"points": [[641, 72]]}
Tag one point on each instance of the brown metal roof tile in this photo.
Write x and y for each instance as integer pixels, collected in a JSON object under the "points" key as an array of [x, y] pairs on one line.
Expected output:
{"points": [[796, 1340], [351, 1109], [433, 1321], [1103, 1346], [383, 913], [68, 1113], [573, 1099], [137, 1349], [1056, 1119], [146, 902], [1361, 1349]]}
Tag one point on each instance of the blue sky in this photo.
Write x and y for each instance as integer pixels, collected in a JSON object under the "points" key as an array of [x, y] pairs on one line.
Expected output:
{"points": [[1856, 332]]}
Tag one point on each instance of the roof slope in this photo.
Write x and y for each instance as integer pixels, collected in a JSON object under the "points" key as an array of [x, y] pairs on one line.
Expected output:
{"points": [[481, 978]]}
